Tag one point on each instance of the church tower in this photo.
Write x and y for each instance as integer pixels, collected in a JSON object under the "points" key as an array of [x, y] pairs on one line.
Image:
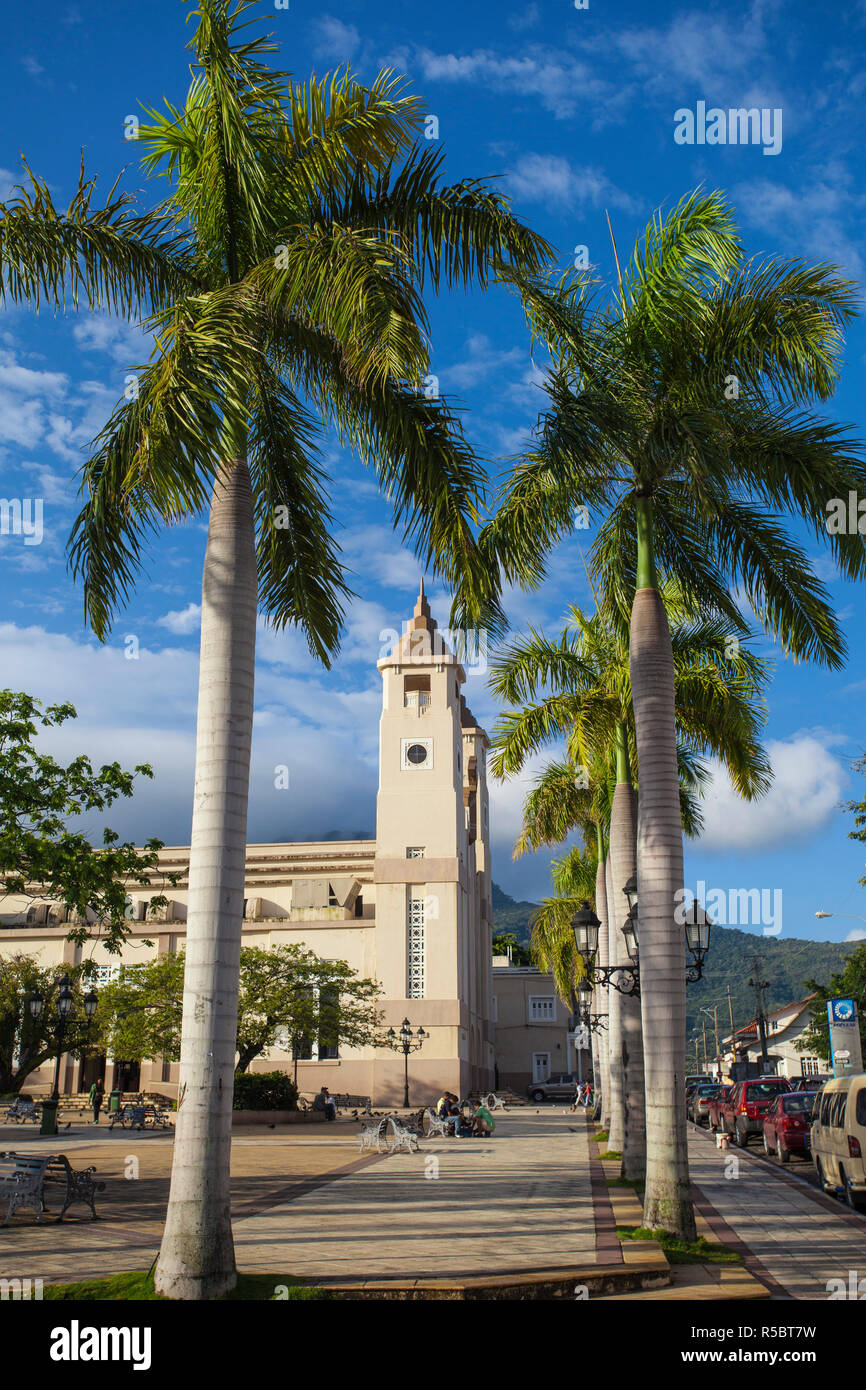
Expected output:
{"points": [[432, 870]]}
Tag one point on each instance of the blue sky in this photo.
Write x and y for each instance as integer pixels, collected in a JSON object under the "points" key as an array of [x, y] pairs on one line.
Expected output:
{"points": [[573, 110]]}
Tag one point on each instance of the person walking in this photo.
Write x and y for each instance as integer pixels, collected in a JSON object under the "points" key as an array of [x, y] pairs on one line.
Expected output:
{"points": [[97, 1091]]}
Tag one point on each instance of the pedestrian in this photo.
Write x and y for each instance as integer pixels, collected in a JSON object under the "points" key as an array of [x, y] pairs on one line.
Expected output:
{"points": [[587, 1094], [575, 1101], [97, 1091]]}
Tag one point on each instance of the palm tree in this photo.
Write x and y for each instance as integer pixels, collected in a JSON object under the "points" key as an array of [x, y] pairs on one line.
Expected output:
{"points": [[678, 412], [283, 275], [578, 689]]}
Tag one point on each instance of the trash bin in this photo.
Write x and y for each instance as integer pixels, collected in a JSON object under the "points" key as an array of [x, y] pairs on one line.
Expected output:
{"points": [[114, 1101]]}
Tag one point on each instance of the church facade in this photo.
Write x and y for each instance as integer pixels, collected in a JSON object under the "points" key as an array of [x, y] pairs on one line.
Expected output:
{"points": [[411, 908]]}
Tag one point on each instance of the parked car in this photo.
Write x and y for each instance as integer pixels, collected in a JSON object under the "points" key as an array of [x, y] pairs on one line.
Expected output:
{"points": [[786, 1124], [714, 1108], [698, 1103], [559, 1087], [742, 1114], [808, 1083], [838, 1139]]}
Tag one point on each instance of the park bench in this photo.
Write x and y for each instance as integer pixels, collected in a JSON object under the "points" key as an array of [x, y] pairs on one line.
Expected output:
{"points": [[388, 1132], [437, 1124], [25, 1177], [493, 1101], [135, 1116], [21, 1110], [21, 1179]]}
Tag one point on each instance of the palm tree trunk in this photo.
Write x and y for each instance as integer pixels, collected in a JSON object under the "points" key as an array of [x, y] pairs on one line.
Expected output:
{"points": [[614, 1015], [623, 853], [603, 1080], [668, 1203], [196, 1258]]}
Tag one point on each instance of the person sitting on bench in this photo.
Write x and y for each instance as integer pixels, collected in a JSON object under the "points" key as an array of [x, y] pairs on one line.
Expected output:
{"points": [[325, 1101]]}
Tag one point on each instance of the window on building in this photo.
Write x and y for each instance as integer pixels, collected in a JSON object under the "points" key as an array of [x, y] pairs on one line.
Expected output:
{"points": [[542, 1008], [103, 975], [414, 851], [415, 950], [810, 1066], [416, 693], [329, 1009], [359, 906]]}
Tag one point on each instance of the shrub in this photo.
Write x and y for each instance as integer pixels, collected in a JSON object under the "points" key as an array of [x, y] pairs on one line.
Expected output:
{"points": [[265, 1090]]}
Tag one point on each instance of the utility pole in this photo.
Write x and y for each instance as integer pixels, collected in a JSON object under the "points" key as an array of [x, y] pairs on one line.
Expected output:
{"points": [[759, 987], [704, 1026], [733, 1039]]}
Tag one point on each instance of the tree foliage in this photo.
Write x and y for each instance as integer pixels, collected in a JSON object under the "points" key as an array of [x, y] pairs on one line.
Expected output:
{"points": [[26, 1043], [288, 996], [39, 856]]}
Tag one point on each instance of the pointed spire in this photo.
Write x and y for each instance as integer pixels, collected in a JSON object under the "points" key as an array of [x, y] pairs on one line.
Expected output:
{"points": [[422, 607]]}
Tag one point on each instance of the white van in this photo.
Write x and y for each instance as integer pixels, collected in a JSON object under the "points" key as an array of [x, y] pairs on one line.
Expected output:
{"points": [[838, 1139]]}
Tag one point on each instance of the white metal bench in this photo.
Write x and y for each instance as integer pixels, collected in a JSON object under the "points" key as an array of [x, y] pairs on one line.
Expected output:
{"points": [[24, 1179], [401, 1137], [373, 1134], [438, 1124], [21, 1179], [493, 1101], [377, 1136], [21, 1110]]}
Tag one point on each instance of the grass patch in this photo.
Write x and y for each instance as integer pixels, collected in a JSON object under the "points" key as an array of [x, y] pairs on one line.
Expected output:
{"points": [[683, 1252], [611, 1154], [138, 1288], [601, 1136], [625, 1182]]}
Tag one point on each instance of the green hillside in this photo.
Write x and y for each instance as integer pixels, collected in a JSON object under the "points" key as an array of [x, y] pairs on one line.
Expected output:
{"points": [[787, 962]]}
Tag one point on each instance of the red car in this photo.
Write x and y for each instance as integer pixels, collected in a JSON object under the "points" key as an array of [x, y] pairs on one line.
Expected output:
{"points": [[714, 1108], [786, 1124], [743, 1112]]}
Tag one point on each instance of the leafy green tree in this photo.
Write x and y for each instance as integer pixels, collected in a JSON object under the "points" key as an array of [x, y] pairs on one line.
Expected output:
{"points": [[679, 416], [858, 810], [26, 1043], [850, 983], [284, 275], [503, 942], [39, 856], [286, 992]]}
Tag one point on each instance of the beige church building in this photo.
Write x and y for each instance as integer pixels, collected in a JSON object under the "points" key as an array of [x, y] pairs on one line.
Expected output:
{"points": [[411, 908]]}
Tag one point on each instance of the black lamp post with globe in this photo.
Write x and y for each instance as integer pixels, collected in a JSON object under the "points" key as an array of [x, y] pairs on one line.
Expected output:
{"points": [[62, 1042]]}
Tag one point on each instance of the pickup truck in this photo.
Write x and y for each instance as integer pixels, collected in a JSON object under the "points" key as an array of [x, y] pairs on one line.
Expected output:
{"points": [[742, 1113]]}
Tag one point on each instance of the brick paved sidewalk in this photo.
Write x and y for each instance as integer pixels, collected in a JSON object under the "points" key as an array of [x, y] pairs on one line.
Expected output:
{"points": [[795, 1239]]}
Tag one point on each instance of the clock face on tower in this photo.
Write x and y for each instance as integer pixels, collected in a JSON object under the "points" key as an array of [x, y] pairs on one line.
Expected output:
{"points": [[416, 753]]}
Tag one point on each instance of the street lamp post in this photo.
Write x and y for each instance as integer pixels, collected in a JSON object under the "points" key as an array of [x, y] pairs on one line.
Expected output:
{"points": [[406, 1041], [626, 979], [65, 1012]]}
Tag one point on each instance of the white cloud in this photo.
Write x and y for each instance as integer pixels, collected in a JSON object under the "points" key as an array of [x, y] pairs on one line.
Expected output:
{"points": [[561, 82], [182, 621], [553, 180], [808, 783], [810, 219], [125, 343], [482, 364], [335, 41], [856, 934]]}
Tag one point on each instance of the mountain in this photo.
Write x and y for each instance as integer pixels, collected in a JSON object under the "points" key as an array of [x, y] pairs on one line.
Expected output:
{"points": [[787, 962]]}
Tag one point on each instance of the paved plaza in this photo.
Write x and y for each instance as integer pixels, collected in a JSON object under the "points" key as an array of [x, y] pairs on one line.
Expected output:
{"points": [[530, 1199]]}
